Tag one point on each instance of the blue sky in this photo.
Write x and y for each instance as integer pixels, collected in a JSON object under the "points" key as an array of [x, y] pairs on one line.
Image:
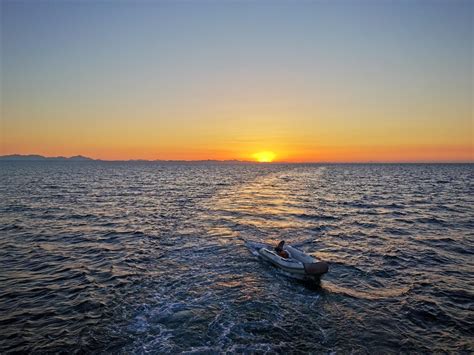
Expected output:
{"points": [[299, 67]]}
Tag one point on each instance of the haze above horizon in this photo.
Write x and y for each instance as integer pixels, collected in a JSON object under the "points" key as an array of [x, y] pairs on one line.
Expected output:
{"points": [[343, 81]]}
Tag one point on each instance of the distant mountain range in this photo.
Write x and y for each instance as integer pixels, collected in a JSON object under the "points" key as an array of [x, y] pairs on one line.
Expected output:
{"points": [[81, 158], [36, 157]]}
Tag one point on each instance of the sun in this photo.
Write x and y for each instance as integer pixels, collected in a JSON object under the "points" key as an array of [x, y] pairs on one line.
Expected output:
{"points": [[264, 157]]}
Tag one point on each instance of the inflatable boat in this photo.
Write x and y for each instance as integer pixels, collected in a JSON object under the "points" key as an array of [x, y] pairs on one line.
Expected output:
{"points": [[298, 265]]}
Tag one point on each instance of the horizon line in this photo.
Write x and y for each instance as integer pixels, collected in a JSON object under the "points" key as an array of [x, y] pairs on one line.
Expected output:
{"points": [[81, 157]]}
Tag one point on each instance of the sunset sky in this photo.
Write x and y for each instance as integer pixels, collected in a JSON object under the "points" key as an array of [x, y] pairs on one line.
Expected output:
{"points": [[296, 80]]}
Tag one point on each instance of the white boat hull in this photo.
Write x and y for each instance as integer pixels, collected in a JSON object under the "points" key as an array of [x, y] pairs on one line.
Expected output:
{"points": [[299, 265]]}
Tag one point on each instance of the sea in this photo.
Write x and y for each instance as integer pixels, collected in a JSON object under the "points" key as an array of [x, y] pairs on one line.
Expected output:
{"points": [[150, 257]]}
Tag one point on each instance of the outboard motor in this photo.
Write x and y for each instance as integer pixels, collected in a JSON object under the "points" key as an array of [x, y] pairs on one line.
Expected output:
{"points": [[316, 269]]}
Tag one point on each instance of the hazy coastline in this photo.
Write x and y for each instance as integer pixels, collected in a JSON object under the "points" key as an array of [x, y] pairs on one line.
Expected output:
{"points": [[82, 158]]}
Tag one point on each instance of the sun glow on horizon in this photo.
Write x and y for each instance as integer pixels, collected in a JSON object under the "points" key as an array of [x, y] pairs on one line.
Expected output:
{"points": [[203, 80], [264, 157]]}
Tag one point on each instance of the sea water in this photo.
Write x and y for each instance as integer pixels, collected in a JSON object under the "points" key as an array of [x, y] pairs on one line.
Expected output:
{"points": [[156, 257]]}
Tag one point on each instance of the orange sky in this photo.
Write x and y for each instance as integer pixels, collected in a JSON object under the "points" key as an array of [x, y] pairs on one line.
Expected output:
{"points": [[333, 134], [309, 81]]}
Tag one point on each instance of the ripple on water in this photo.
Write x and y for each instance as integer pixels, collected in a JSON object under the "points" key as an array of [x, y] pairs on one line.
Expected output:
{"points": [[145, 257]]}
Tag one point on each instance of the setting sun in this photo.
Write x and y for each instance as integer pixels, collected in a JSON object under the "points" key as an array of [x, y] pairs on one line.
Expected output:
{"points": [[264, 157]]}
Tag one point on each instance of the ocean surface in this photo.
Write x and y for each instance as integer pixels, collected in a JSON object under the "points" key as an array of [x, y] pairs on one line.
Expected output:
{"points": [[153, 257]]}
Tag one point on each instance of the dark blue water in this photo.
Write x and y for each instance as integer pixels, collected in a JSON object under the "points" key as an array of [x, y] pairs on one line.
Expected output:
{"points": [[147, 257]]}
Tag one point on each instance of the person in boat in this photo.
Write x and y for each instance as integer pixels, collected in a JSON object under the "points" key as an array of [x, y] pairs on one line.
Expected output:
{"points": [[279, 250]]}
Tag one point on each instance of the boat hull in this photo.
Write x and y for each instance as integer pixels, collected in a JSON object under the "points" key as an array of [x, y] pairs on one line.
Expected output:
{"points": [[299, 266]]}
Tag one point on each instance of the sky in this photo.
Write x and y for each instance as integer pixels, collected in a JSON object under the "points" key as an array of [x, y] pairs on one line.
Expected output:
{"points": [[296, 81]]}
